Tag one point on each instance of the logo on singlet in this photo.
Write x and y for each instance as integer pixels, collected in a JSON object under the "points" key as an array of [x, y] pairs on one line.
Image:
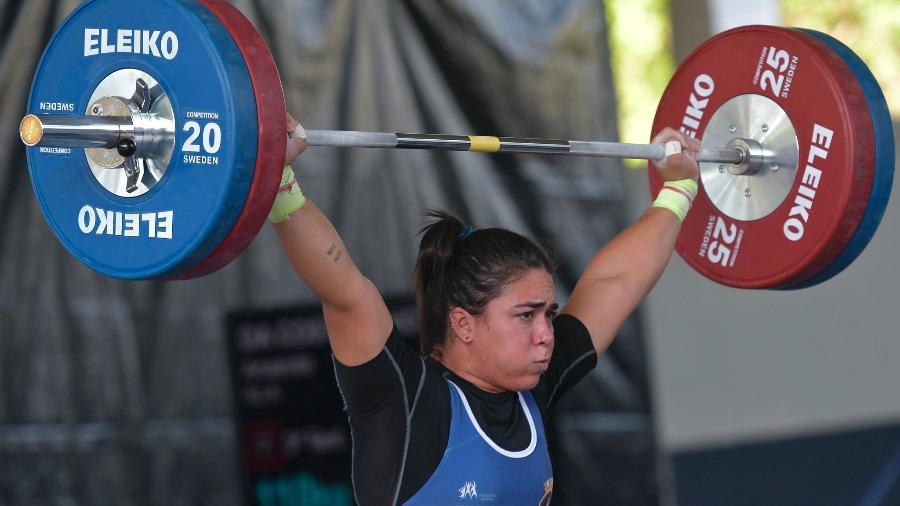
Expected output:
{"points": [[468, 490], [548, 493]]}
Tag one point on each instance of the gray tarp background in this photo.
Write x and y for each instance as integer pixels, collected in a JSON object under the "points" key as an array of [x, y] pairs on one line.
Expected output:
{"points": [[118, 392]]}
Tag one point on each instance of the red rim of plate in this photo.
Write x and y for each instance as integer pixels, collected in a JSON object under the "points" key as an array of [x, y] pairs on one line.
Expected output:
{"points": [[272, 138]]}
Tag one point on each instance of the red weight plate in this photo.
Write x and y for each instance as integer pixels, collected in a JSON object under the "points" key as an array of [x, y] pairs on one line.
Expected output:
{"points": [[817, 91], [271, 142]]}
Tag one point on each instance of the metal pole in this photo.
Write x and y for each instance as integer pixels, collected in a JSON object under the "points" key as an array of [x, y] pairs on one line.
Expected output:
{"points": [[105, 132], [485, 144]]}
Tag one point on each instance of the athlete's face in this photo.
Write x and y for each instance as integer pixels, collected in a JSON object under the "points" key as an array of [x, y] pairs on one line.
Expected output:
{"points": [[513, 337]]}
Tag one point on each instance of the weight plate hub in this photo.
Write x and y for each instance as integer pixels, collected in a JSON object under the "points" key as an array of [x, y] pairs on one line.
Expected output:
{"points": [[827, 110], [187, 214], [739, 191]]}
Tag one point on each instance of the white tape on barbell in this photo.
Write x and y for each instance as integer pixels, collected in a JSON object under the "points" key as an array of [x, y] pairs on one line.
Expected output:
{"points": [[673, 148]]}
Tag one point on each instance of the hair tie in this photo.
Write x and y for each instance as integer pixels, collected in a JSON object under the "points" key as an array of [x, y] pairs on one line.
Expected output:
{"points": [[465, 233]]}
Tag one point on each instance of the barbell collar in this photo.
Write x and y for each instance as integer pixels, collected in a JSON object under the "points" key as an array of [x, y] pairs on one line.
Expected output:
{"points": [[753, 153]]}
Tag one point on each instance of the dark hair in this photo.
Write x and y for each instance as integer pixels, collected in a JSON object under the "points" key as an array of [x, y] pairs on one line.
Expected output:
{"points": [[458, 266]]}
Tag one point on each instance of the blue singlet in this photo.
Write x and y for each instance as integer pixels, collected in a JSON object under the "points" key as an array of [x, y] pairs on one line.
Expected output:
{"points": [[475, 471]]}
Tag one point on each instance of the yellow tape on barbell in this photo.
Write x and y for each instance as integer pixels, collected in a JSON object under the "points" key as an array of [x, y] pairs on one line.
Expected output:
{"points": [[484, 144]]}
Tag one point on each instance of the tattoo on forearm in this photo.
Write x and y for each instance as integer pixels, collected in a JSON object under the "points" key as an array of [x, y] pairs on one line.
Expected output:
{"points": [[335, 253]]}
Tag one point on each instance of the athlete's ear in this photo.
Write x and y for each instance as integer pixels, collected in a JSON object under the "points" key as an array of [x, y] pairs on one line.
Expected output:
{"points": [[461, 324]]}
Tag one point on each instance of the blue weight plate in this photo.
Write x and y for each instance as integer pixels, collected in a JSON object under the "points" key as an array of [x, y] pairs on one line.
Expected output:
{"points": [[884, 161], [184, 217]]}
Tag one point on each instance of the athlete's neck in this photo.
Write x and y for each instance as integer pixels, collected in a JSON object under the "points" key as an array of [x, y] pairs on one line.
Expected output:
{"points": [[467, 374]]}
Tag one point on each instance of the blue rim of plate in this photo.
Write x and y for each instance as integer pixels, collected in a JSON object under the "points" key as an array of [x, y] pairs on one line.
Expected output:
{"points": [[883, 176]]}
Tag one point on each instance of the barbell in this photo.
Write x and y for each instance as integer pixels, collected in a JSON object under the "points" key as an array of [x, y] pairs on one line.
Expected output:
{"points": [[161, 159]]}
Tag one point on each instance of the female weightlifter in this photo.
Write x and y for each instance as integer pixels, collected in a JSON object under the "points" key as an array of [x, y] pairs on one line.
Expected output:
{"points": [[463, 418]]}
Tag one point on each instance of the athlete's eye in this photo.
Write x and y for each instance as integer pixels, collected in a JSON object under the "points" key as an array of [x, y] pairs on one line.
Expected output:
{"points": [[525, 316]]}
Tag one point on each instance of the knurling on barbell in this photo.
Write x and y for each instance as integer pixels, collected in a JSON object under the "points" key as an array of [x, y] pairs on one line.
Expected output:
{"points": [[796, 167]]}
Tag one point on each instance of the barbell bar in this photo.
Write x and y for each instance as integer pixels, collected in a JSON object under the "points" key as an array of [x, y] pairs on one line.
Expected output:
{"points": [[792, 190], [67, 131]]}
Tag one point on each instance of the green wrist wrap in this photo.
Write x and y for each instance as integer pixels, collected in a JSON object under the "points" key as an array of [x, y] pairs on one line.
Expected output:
{"points": [[289, 199], [677, 196]]}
